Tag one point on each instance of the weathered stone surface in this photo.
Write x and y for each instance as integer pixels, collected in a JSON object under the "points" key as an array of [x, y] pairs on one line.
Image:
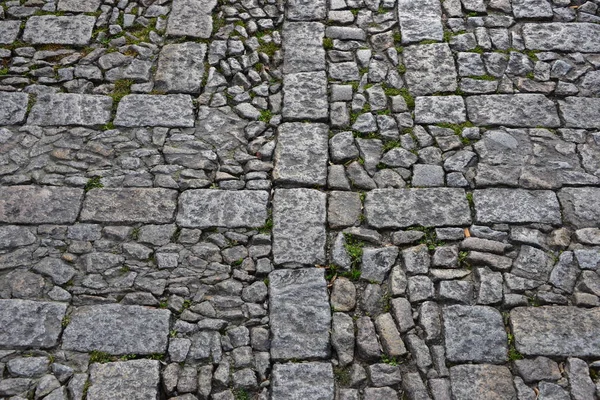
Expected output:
{"points": [[532, 9], [70, 109], [303, 47], [206, 208], [175, 110], [580, 112], [429, 68], [191, 18], [130, 205], [376, 263], [27, 324], [401, 208], [440, 109], [39, 204], [14, 236], [312, 380], [306, 10], [519, 110], [420, 20], [117, 329], [557, 331], [559, 36], [493, 382], [305, 96], [300, 314], [516, 206], [49, 29], [180, 68], [13, 107], [79, 5], [301, 154], [343, 209], [135, 379], [9, 30], [580, 206], [299, 217]]}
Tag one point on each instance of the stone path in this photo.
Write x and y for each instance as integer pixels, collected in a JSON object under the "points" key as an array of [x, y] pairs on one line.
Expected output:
{"points": [[260, 199]]}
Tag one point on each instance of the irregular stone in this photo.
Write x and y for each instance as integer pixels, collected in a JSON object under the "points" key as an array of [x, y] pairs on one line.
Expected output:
{"points": [[414, 386], [39, 204], [518, 110], [416, 259], [402, 312], [13, 107], [342, 337], [390, 337], [376, 263], [552, 391], [420, 288], [531, 9], [85, 6], [420, 21], [580, 112], [532, 263], [50, 29], [440, 109], [382, 393], [366, 340], [516, 206], [494, 382], [303, 47], [305, 96], [538, 369], [557, 36], [27, 324], [429, 68], [15, 236], [174, 110], [310, 380], [191, 18], [58, 270], [580, 206], [9, 30], [135, 379], [343, 209], [582, 386], [384, 375], [343, 295], [70, 109], [180, 68]]}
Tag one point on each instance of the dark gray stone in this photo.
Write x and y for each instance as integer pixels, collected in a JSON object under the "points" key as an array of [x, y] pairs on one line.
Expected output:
{"points": [[557, 36], [180, 68], [13, 107], [135, 379], [39, 204], [174, 110], [50, 29], [305, 96], [494, 382], [70, 109], [516, 206], [519, 110], [538, 369], [15, 236], [30, 324], [191, 18], [312, 380], [580, 206], [580, 112], [430, 67], [376, 263]]}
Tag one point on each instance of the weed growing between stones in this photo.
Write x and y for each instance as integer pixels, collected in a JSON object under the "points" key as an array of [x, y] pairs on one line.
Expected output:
{"points": [[342, 376], [93, 183], [513, 353], [354, 247], [100, 357]]}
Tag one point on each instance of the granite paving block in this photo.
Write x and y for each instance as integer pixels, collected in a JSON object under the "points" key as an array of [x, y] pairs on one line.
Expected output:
{"points": [[73, 30], [39, 204]]}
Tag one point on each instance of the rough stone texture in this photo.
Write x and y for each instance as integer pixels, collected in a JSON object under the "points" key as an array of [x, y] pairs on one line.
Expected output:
{"points": [[13, 107], [580, 206], [306, 10], [429, 68], [117, 329], [376, 263], [559, 36], [135, 379], [532, 9], [556, 331], [206, 208], [301, 154], [420, 20], [440, 109], [311, 380], [516, 206], [580, 112], [49, 29], [492, 382], [116, 205], [70, 109], [175, 110], [15, 236], [180, 68], [519, 110], [191, 18], [9, 30], [299, 217], [305, 96], [303, 47], [79, 5], [400, 208], [300, 314], [30, 324], [39, 204]]}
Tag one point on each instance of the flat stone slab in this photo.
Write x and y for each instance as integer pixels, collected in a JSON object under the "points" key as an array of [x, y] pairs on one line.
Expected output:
{"points": [[79, 5], [15, 235], [440, 109], [172, 111], [130, 205], [70, 109], [191, 18], [208, 208], [515, 110], [49, 29], [299, 313], [117, 329], [429, 68], [312, 380], [9, 30], [135, 379], [493, 382], [305, 96], [513, 206], [474, 334], [559, 36], [580, 112], [401, 208], [30, 324], [39, 204], [532, 9], [13, 107], [581, 206], [299, 217], [301, 154], [420, 20], [180, 68], [557, 331], [306, 10], [303, 47]]}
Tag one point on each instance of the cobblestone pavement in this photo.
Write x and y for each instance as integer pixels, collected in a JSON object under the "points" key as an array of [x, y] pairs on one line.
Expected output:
{"points": [[342, 199]]}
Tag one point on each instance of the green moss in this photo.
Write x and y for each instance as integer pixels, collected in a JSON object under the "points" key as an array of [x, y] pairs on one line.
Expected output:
{"points": [[408, 98], [241, 394], [457, 128], [93, 183], [265, 116], [402, 68], [100, 357], [483, 77], [390, 145], [122, 88], [269, 48]]}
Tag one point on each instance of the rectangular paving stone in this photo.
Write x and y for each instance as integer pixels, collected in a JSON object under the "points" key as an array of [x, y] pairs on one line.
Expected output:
{"points": [[400, 208], [9, 30], [39, 204], [191, 18], [581, 206], [430, 69], [299, 314], [172, 111], [556, 331], [513, 206], [301, 154], [132, 380], [312, 380], [420, 20], [130, 205], [208, 208], [79, 5], [580, 112], [492, 382], [299, 236], [117, 329], [519, 110], [305, 96], [303, 47], [306, 10], [13, 107], [440, 109], [70, 109], [532, 9], [180, 68], [30, 324], [50, 29], [559, 36]]}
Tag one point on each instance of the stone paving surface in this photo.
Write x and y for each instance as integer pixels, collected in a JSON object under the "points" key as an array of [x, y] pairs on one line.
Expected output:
{"points": [[301, 199]]}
